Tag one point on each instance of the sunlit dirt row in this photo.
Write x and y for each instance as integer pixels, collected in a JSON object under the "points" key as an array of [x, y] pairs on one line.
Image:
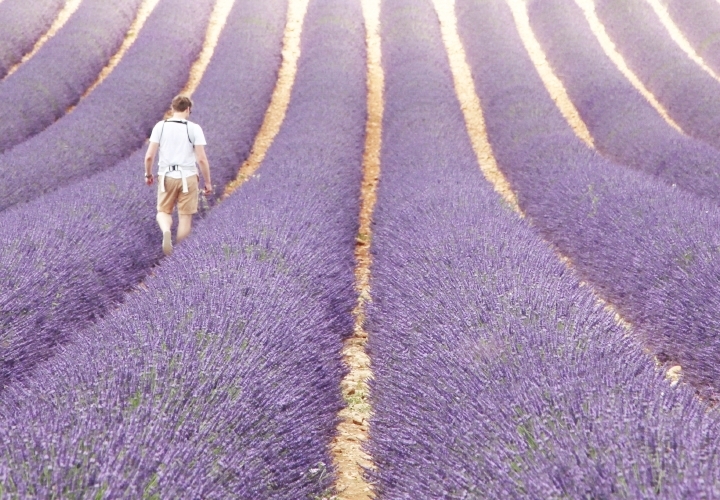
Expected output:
{"points": [[347, 448], [552, 83]]}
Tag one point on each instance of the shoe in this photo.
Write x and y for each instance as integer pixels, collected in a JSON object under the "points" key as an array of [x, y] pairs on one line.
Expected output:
{"points": [[167, 243]]}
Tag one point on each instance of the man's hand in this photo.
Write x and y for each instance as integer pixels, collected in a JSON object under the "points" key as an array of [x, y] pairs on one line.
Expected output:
{"points": [[204, 168], [149, 180]]}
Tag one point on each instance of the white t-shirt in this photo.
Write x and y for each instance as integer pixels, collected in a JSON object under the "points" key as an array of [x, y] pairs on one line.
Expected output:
{"points": [[177, 139]]}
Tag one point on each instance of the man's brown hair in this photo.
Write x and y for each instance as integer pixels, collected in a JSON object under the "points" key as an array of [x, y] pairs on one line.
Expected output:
{"points": [[181, 103]]}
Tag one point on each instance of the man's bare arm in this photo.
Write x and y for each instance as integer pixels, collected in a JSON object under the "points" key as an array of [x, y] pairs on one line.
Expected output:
{"points": [[149, 160], [204, 167]]}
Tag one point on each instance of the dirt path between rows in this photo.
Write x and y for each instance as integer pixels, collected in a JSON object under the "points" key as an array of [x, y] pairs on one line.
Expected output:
{"points": [[350, 459]]}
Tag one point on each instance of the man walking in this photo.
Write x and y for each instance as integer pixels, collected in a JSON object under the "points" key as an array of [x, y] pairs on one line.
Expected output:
{"points": [[181, 144]]}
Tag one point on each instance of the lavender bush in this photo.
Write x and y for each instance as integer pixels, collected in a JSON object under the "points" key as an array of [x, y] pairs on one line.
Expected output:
{"points": [[101, 237], [699, 22], [57, 76], [649, 248], [623, 124], [496, 375], [222, 379], [23, 24], [691, 96], [117, 117]]}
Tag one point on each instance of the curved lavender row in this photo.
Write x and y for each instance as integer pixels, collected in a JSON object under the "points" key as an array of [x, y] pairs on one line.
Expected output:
{"points": [[23, 24], [699, 21], [118, 116], [103, 237], [649, 249], [53, 80], [495, 374], [223, 379], [623, 124], [691, 96]]}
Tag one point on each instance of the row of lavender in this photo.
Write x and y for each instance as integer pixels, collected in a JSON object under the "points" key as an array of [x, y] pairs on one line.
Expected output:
{"points": [[116, 118], [689, 94], [222, 379], [624, 126], [496, 375], [68, 257], [43, 88], [698, 21], [23, 24], [648, 248]]}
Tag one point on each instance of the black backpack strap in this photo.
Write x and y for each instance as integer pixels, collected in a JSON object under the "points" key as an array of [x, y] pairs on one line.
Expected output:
{"points": [[161, 131]]}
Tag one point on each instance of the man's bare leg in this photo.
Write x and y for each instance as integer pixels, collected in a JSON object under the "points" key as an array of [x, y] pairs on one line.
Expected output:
{"points": [[184, 226], [165, 221]]}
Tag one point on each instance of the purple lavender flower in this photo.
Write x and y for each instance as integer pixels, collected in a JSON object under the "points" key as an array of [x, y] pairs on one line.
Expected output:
{"points": [[23, 24], [699, 22], [496, 375], [690, 95], [624, 126], [42, 89], [646, 247]]}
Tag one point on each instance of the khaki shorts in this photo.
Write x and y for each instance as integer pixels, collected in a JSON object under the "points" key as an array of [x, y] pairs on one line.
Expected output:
{"points": [[187, 203]]}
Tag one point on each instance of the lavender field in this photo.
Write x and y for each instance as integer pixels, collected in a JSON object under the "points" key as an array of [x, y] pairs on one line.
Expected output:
{"points": [[456, 249]]}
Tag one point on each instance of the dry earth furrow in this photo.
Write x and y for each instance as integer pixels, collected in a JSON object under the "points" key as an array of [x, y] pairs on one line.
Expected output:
{"points": [[216, 23], [470, 103], [218, 17], [352, 431]]}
